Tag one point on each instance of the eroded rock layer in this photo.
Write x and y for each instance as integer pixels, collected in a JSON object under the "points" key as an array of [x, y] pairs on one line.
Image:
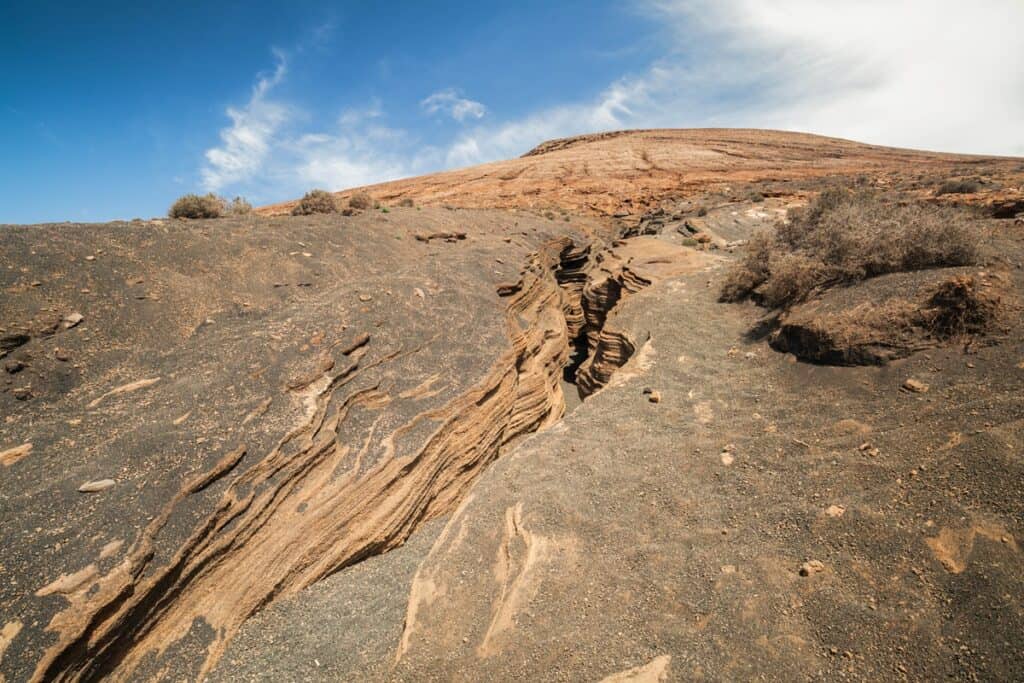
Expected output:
{"points": [[334, 490]]}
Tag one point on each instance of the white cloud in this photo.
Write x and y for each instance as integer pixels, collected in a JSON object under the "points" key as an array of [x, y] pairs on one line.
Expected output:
{"points": [[941, 75], [246, 143], [932, 74], [935, 74], [450, 102]]}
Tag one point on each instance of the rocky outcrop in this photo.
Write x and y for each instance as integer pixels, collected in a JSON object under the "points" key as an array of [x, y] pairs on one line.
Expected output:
{"points": [[625, 269], [318, 502]]}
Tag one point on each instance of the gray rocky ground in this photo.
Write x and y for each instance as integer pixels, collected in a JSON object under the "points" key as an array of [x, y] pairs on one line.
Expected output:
{"points": [[425, 443]]}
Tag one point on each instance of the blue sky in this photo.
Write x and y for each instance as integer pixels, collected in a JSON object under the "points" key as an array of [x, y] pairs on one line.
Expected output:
{"points": [[111, 110]]}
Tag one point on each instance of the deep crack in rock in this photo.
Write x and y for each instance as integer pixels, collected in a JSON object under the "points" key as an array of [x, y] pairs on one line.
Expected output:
{"points": [[306, 509]]}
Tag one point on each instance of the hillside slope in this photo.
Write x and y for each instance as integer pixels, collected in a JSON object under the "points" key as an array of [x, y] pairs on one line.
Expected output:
{"points": [[630, 171], [514, 443]]}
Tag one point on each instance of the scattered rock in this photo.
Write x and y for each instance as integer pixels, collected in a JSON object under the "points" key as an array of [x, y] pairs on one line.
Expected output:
{"points": [[111, 548], [915, 386], [654, 397], [96, 486], [14, 366], [835, 510], [365, 297], [124, 389], [867, 449], [812, 567], [13, 455], [72, 319], [8, 342], [23, 393], [61, 354], [446, 236], [419, 292], [90, 257]]}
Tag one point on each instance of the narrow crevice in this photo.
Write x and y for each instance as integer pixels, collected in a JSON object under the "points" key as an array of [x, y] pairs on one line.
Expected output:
{"points": [[253, 548]]}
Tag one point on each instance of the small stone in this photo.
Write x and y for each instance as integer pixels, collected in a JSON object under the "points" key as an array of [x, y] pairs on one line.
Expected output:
{"points": [[835, 510], [812, 567], [90, 257], [61, 355], [915, 386], [750, 355], [419, 292], [14, 366], [365, 297], [72, 319], [654, 397], [22, 393], [96, 486], [728, 569]]}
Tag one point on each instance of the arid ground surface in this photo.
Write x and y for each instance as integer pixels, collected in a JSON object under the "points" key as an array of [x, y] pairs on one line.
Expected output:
{"points": [[510, 432]]}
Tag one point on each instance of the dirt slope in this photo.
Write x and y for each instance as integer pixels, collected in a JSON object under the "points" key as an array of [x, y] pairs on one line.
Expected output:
{"points": [[631, 171], [494, 444]]}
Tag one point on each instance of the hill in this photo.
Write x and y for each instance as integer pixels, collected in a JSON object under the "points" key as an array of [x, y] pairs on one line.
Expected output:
{"points": [[629, 172], [529, 428]]}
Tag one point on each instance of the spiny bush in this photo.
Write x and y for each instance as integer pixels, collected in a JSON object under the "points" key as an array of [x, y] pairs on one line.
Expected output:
{"points": [[315, 201], [958, 187], [196, 206], [361, 200], [843, 237]]}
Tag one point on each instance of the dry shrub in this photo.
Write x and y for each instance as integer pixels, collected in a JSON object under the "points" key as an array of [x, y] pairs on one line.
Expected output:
{"points": [[960, 307], [751, 271], [197, 206], [843, 237], [361, 200], [239, 207], [315, 201], [958, 187]]}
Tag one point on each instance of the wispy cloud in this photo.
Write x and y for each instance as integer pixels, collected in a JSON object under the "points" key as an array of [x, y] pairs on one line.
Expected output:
{"points": [[940, 75], [450, 101], [247, 142]]}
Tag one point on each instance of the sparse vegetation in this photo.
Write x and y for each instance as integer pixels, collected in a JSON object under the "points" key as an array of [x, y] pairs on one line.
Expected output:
{"points": [[361, 201], [239, 207], [843, 237], [959, 307], [197, 206], [958, 187], [315, 201], [406, 203]]}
